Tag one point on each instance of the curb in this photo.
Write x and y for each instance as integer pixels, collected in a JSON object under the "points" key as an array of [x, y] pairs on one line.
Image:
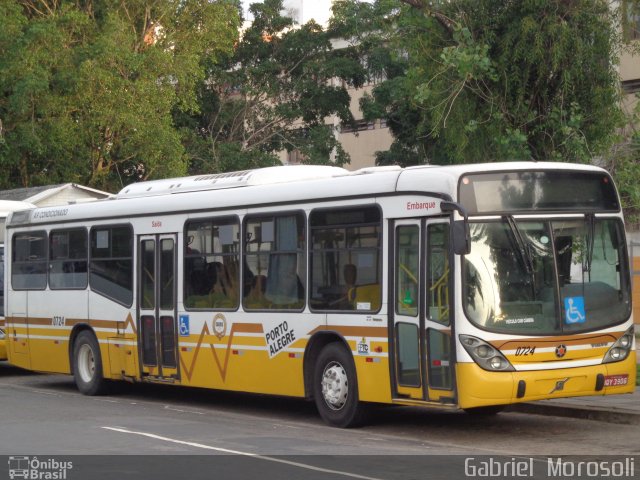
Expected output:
{"points": [[613, 415]]}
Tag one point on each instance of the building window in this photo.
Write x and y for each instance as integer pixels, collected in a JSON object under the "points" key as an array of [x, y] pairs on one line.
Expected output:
{"points": [[111, 263], [345, 259], [630, 87], [68, 259], [295, 157], [211, 264], [358, 126]]}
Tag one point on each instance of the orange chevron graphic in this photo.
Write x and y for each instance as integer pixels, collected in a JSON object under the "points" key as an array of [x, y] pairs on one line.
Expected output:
{"points": [[129, 321], [222, 367]]}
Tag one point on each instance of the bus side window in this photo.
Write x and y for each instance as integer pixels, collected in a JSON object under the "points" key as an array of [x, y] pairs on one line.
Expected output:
{"points": [[345, 259], [68, 259], [274, 254], [111, 262], [211, 259], [29, 261]]}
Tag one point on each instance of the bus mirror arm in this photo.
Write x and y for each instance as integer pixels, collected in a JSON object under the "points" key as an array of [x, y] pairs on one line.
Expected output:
{"points": [[460, 232]]}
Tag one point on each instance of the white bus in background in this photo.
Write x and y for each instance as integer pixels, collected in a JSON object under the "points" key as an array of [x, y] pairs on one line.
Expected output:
{"points": [[6, 207]]}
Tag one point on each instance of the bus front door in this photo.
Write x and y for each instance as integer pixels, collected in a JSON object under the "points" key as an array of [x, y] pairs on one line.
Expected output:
{"points": [[421, 302], [157, 319]]}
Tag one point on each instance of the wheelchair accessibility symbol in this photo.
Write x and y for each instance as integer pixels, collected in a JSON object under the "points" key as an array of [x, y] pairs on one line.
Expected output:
{"points": [[184, 326], [574, 310]]}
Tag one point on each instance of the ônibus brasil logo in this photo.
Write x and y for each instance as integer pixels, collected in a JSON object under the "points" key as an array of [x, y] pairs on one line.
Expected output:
{"points": [[33, 468]]}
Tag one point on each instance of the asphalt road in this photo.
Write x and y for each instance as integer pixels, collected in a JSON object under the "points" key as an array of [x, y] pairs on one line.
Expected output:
{"points": [[151, 431]]}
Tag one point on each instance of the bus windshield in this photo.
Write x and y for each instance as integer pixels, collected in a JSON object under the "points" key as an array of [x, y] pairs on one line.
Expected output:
{"points": [[546, 277]]}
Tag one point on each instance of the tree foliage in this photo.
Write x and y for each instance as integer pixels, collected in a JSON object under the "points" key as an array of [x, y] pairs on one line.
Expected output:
{"points": [[88, 88], [624, 162], [273, 93], [484, 80]]}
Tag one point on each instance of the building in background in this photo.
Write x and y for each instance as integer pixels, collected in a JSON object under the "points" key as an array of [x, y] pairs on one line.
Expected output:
{"points": [[52, 195]]}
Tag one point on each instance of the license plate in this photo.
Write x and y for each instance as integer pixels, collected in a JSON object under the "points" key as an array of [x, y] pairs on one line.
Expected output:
{"points": [[616, 380]]}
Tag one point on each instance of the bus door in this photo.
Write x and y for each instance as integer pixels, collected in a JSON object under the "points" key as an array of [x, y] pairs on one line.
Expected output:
{"points": [[157, 315], [437, 287], [421, 330]]}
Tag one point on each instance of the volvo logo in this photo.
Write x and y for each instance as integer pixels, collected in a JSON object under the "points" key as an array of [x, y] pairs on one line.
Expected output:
{"points": [[561, 350]]}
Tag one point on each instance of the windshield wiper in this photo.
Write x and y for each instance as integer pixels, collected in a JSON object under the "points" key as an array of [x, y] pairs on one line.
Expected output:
{"points": [[521, 247], [591, 240]]}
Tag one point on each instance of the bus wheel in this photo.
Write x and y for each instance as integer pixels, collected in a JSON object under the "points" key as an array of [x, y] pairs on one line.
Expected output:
{"points": [[87, 365], [335, 387], [485, 411]]}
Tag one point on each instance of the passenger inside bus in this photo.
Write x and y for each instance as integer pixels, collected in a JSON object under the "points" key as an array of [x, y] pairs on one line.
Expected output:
{"points": [[283, 287], [224, 291], [350, 276], [255, 298]]}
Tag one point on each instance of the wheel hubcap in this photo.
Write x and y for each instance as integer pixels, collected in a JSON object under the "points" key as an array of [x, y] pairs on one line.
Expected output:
{"points": [[335, 386], [86, 363]]}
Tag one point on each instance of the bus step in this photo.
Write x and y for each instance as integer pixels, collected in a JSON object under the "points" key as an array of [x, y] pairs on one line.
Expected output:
{"points": [[424, 403], [152, 379]]}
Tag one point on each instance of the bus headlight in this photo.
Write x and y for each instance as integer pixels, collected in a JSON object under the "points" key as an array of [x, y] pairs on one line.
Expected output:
{"points": [[1, 334], [487, 357], [620, 350]]}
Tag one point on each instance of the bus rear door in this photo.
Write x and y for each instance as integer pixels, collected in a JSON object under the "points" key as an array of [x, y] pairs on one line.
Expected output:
{"points": [[157, 263]]}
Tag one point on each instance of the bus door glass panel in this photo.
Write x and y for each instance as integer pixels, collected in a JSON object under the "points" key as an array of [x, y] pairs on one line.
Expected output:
{"points": [[167, 294], [147, 302], [438, 327], [408, 344], [157, 305]]}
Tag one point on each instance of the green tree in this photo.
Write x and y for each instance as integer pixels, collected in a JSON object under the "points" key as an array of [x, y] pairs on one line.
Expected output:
{"points": [[273, 93], [624, 159], [624, 163], [88, 89], [484, 80]]}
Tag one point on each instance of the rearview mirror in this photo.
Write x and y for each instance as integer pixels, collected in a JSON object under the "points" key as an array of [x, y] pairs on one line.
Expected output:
{"points": [[461, 237], [460, 234]]}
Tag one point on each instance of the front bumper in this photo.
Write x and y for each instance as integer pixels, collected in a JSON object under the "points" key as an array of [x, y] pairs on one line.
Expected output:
{"points": [[478, 387]]}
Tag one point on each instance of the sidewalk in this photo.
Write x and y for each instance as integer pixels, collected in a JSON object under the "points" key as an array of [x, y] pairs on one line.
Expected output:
{"points": [[623, 409]]}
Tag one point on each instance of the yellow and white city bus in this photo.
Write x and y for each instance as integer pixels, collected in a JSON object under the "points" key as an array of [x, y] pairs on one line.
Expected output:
{"points": [[470, 286], [6, 207]]}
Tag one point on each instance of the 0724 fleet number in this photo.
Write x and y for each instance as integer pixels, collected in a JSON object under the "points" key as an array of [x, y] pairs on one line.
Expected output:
{"points": [[522, 351]]}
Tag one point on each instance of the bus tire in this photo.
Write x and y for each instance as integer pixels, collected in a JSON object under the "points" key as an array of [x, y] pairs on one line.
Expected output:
{"points": [[485, 411], [335, 387], [87, 365]]}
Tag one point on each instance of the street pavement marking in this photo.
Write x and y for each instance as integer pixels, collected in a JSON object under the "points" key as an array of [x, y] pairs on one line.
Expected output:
{"points": [[180, 410], [238, 452], [42, 392]]}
